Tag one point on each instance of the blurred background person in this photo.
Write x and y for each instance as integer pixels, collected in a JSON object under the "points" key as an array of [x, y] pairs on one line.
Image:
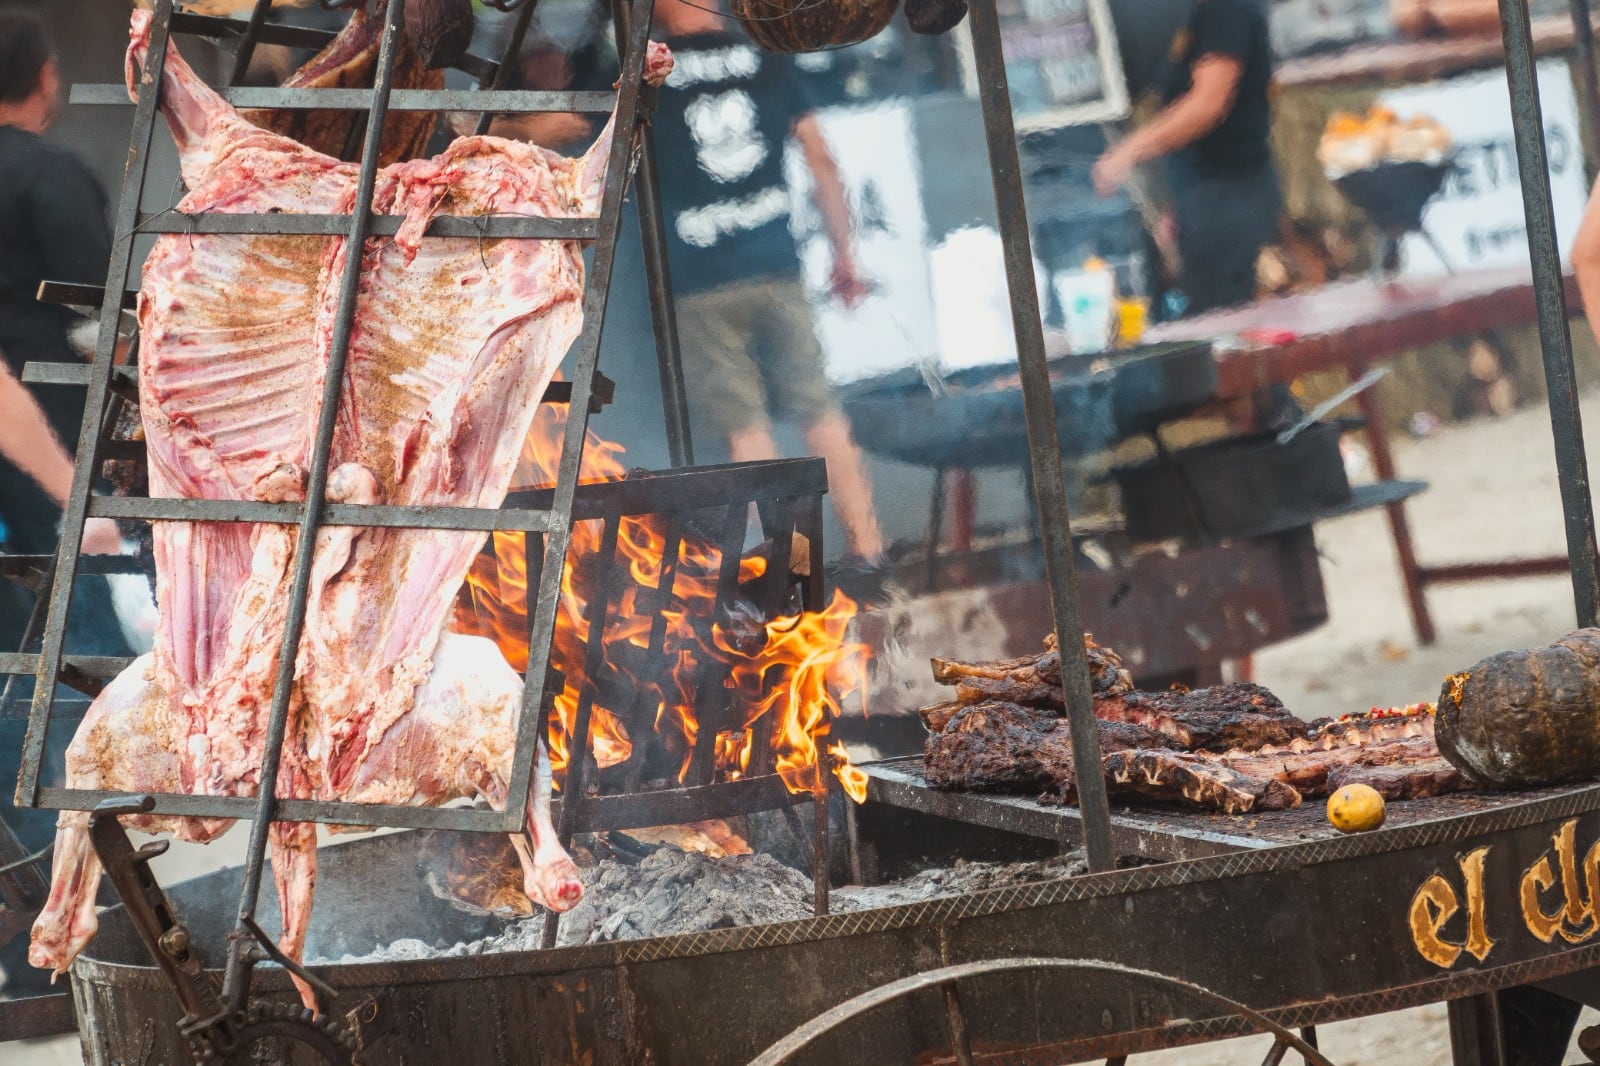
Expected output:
{"points": [[749, 351], [1213, 133]]}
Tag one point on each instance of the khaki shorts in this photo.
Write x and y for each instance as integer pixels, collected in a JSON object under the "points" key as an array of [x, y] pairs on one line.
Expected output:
{"points": [[748, 349]]}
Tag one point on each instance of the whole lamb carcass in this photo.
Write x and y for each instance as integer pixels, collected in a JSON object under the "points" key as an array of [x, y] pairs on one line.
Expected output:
{"points": [[453, 344]]}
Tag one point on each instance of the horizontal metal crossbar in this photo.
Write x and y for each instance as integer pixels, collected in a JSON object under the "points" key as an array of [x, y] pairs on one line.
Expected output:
{"points": [[128, 376], [218, 28], [689, 490], [498, 101], [676, 806], [385, 516], [481, 226], [630, 811], [244, 808], [16, 565], [101, 667]]}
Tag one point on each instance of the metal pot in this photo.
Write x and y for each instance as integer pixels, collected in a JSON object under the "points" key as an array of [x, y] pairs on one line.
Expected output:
{"points": [[1239, 487]]}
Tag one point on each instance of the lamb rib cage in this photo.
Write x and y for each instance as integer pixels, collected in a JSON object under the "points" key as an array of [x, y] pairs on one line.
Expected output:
{"points": [[787, 494]]}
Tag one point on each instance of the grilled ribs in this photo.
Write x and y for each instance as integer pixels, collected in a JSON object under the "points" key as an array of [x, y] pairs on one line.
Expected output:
{"points": [[1232, 748], [453, 343], [999, 746], [1235, 715], [1396, 756]]}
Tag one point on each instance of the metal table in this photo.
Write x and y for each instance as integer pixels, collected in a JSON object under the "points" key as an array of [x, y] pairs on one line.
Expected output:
{"points": [[1353, 325]]}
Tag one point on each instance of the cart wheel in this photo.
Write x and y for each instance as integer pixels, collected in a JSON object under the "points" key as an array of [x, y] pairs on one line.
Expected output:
{"points": [[1589, 1042], [946, 978], [267, 1026]]}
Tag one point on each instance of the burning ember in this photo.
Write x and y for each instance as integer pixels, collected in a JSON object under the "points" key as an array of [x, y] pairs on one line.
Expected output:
{"points": [[772, 687]]}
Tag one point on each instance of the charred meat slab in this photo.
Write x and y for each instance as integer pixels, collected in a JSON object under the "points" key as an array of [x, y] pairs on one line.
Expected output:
{"points": [[1235, 715]]}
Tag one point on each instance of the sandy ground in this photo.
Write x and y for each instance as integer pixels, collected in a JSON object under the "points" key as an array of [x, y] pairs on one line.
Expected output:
{"points": [[1493, 495]]}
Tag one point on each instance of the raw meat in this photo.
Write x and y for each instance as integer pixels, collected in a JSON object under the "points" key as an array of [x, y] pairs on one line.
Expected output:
{"points": [[454, 342], [349, 62]]}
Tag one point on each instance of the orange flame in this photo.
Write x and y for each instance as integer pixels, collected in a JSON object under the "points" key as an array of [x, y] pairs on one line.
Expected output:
{"points": [[782, 679]]}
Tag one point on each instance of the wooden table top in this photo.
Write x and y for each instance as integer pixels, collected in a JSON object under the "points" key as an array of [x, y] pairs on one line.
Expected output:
{"points": [[1355, 323]]}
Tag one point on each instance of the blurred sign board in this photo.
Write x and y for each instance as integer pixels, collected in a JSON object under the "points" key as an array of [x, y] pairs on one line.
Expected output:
{"points": [[1061, 60], [1477, 220], [895, 326]]}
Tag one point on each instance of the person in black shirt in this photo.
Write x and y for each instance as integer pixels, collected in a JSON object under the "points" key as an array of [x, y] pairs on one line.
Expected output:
{"points": [[721, 125], [52, 227], [1214, 132]]}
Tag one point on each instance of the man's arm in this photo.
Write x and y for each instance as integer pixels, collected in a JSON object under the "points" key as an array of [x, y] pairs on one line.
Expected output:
{"points": [[827, 190], [27, 441], [1445, 18], [1214, 85], [1586, 260]]}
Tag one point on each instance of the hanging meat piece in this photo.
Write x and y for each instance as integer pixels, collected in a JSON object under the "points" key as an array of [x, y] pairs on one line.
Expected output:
{"points": [[453, 343], [350, 61]]}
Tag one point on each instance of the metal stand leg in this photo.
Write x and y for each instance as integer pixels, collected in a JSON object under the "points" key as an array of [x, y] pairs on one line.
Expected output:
{"points": [[1475, 1038], [1383, 463]]}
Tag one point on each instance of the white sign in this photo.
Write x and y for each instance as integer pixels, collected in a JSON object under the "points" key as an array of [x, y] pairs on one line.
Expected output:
{"points": [[1476, 219], [893, 327]]}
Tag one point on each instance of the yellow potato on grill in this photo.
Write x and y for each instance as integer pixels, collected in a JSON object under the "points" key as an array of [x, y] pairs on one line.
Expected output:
{"points": [[1356, 809]]}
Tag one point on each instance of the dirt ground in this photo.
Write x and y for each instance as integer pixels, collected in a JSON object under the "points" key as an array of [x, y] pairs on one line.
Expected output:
{"points": [[1493, 495]]}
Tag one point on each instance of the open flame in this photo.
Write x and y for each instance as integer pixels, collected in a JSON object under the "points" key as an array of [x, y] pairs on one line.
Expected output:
{"points": [[781, 680]]}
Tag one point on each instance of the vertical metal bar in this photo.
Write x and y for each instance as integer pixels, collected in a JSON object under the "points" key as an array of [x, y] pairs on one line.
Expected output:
{"points": [[1550, 296], [1275, 1053], [658, 286], [94, 408], [1588, 80], [247, 43], [237, 977], [960, 1039], [1405, 551], [508, 60], [579, 745], [1309, 1035], [1475, 1037], [820, 824], [1044, 446], [815, 584], [543, 609]]}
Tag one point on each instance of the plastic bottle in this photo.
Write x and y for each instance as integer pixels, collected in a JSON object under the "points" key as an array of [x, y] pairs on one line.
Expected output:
{"points": [[1088, 299]]}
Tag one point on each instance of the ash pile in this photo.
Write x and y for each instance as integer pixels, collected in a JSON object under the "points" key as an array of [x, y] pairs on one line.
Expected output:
{"points": [[672, 880]]}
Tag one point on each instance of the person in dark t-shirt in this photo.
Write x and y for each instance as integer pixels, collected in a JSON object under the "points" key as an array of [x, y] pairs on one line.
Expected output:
{"points": [[1213, 130], [52, 227], [721, 125]]}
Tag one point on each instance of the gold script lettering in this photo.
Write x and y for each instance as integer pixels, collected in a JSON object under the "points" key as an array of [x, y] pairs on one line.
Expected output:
{"points": [[1576, 920], [1538, 879], [1478, 942], [1436, 902]]}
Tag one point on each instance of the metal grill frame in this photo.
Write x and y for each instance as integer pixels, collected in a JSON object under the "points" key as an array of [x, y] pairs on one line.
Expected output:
{"points": [[551, 518]]}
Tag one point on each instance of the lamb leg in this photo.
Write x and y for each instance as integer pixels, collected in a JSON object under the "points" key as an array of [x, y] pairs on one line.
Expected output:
{"points": [[294, 870], [128, 742], [68, 920], [549, 876]]}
